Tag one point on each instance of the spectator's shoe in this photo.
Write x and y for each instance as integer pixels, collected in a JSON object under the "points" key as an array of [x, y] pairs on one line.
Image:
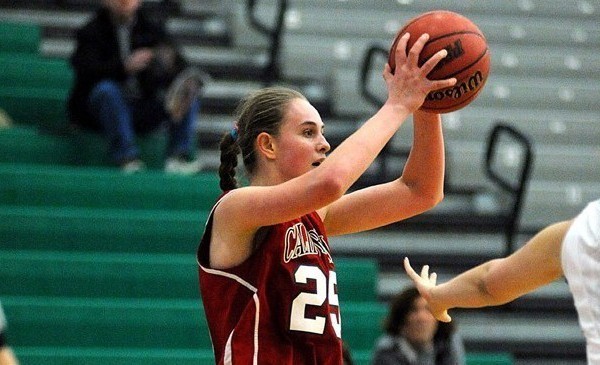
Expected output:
{"points": [[183, 90], [183, 165], [133, 166]]}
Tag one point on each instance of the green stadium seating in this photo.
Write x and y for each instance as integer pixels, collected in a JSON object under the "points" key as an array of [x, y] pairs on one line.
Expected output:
{"points": [[34, 90], [100, 230], [26, 145], [362, 323], [29, 145], [39, 106], [491, 358], [18, 37], [357, 279], [34, 71], [107, 322], [98, 275], [62, 186], [102, 356]]}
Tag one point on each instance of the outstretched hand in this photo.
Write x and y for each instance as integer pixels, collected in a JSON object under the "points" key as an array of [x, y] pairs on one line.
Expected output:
{"points": [[408, 84], [424, 284]]}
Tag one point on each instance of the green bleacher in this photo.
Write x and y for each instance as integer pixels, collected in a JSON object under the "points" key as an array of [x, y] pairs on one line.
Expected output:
{"points": [[19, 38], [31, 144]]}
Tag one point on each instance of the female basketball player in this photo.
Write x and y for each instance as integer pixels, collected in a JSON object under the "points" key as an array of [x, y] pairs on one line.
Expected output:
{"points": [[569, 248], [268, 282]]}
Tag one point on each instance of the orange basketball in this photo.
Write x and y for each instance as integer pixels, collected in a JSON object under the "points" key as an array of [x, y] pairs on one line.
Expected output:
{"points": [[468, 57]]}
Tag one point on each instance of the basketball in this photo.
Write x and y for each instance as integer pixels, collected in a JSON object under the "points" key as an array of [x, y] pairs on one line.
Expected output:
{"points": [[468, 57]]}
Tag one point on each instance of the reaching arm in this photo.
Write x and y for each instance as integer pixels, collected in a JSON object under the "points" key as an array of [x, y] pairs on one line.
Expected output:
{"points": [[497, 281]]}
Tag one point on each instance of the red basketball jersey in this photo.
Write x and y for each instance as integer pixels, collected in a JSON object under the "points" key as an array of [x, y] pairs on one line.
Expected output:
{"points": [[278, 307]]}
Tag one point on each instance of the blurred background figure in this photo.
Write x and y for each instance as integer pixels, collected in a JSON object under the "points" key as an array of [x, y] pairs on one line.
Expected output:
{"points": [[7, 357], [414, 337], [130, 79]]}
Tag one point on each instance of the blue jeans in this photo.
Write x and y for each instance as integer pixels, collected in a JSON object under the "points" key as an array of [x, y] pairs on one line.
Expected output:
{"points": [[122, 119]]}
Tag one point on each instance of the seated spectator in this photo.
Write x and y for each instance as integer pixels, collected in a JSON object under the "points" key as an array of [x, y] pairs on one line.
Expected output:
{"points": [[7, 357], [414, 337], [130, 79]]}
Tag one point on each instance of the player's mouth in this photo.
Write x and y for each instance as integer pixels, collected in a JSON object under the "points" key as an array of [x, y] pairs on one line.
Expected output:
{"points": [[318, 163]]}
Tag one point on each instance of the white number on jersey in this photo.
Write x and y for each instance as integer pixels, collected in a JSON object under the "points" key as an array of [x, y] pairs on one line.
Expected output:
{"points": [[325, 290]]}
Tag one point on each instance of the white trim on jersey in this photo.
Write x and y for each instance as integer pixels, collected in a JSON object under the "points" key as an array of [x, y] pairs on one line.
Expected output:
{"points": [[230, 276], [227, 353], [256, 321]]}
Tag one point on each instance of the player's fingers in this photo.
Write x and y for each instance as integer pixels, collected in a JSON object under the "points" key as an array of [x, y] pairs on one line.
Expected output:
{"points": [[433, 278], [425, 272], [415, 50], [442, 84], [445, 317], [401, 48], [409, 270], [433, 61]]}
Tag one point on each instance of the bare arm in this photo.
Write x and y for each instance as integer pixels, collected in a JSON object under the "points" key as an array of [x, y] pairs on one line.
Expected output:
{"points": [[497, 281], [418, 189]]}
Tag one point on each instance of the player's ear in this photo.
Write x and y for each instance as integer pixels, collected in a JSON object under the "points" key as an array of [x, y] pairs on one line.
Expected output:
{"points": [[265, 145]]}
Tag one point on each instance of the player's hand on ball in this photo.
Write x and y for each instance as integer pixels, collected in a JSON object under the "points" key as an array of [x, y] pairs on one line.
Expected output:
{"points": [[424, 284], [408, 83]]}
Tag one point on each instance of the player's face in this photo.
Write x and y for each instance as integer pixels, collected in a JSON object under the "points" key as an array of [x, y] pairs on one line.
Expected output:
{"points": [[420, 325], [301, 145]]}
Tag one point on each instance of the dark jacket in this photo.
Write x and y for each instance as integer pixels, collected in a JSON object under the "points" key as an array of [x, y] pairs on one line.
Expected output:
{"points": [[97, 57]]}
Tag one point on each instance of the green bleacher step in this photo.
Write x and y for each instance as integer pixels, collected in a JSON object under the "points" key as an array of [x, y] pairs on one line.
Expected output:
{"points": [[55, 186], [106, 230], [143, 275], [118, 323], [20, 38], [115, 356], [491, 358], [28, 144], [97, 275], [357, 279], [362, 323], [27, 70], [38, 106]]}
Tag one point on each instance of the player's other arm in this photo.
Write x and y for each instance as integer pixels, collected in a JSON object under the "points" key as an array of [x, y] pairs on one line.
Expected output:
{"points": [[497, 281]]}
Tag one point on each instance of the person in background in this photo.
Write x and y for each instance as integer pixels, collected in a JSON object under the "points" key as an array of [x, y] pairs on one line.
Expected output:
{"points": [[414, 337], [569, 248], [7, 356], [130, 80]]}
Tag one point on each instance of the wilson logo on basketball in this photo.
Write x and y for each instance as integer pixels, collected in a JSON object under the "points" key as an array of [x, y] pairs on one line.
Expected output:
{"points": [[457, 91]]}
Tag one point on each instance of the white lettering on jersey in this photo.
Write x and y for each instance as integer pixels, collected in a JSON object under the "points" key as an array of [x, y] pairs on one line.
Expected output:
{"points": [[300, 242]]}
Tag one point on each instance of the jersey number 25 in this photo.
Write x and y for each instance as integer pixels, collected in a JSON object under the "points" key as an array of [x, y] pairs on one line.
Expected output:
{"points": [[325, 291]]}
